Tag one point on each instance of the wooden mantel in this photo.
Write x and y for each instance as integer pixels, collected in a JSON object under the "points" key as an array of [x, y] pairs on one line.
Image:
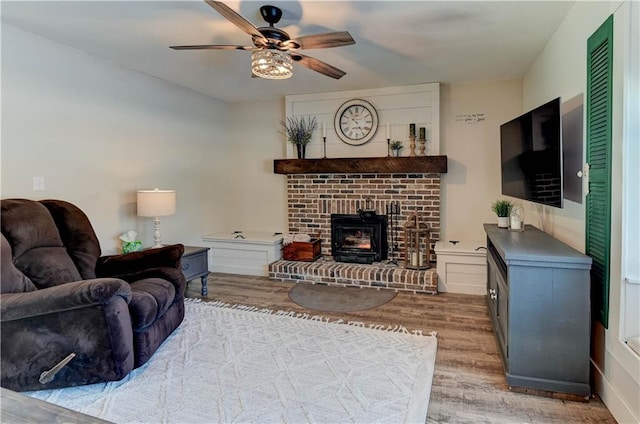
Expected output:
{"points": [[384, 165]]}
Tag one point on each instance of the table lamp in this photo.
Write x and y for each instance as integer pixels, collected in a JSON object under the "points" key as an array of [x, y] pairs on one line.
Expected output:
{"points": [[156, 203]]}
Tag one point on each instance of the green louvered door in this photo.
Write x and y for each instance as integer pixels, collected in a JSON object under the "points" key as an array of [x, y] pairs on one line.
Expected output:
{"points": [[598, 202]]}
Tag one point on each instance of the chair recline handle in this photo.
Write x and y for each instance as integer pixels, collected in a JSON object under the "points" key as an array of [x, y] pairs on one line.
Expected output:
{"points": [[48, 376]]}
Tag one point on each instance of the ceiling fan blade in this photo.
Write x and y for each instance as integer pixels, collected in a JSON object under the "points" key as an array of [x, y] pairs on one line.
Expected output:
{"points": [[235, 19], [318, 65], [323, 41], [214, 47]]}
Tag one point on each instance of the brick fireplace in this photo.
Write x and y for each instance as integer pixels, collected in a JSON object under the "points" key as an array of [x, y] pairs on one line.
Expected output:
{"points": [[313, 197]]}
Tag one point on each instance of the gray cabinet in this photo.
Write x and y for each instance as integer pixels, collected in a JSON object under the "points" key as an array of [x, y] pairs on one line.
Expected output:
{"points": [[195, 264], [538, 301]]}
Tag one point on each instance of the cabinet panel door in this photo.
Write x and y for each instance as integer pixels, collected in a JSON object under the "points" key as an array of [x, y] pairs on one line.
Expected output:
{"points": [[498, 304], [503, 312], [492, 286]]}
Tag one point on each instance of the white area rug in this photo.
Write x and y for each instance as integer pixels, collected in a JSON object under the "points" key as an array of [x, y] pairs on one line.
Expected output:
{"points": [[243, 365]]}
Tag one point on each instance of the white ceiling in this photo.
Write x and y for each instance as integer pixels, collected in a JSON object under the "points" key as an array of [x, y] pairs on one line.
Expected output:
{"points": [[397, 43]]}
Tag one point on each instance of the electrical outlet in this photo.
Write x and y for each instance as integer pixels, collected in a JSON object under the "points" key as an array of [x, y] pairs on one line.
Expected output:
{"points": [[38, 183]]}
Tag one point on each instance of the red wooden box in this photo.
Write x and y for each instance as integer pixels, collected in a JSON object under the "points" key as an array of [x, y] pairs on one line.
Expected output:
{"points": [[307, 251]]}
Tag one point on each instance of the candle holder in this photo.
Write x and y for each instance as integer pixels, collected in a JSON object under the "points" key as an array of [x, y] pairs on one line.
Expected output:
{"points": [[412, 145], [423, 143], [388, 147], [324, 147]]}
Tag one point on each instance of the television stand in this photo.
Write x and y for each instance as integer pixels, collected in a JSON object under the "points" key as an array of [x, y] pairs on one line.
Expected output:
{"points": [[538, 297]]}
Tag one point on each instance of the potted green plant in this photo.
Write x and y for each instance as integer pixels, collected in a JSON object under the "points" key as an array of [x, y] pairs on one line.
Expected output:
{"points": [[502, 208], [299, 131], [395, 147]]}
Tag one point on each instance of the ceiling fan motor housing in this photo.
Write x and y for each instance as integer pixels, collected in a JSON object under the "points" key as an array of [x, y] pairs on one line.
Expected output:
{"points": [[276, 39]]}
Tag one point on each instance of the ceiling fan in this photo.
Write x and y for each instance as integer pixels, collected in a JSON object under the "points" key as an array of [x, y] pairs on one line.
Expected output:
{"points": [[273, 49]]}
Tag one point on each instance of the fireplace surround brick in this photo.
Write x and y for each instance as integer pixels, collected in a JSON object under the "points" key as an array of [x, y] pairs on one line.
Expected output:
{"points": [[312, 198]]}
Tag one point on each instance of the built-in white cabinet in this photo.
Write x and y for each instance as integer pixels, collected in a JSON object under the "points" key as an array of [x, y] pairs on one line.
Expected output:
{"points": [[243, 252], [462, 266]]}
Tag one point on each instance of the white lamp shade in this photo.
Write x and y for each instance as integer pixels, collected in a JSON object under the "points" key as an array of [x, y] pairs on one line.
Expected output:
{"points": [[156, 202]]}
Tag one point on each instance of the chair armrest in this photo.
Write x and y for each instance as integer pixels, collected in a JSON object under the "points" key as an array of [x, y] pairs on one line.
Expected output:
{"points": [[172, 275], [89, 318], [130, 263], [69, 296]]}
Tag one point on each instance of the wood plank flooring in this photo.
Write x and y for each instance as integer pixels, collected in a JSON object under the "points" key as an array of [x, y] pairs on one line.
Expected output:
{"points": [[468, 385], [17, 408]]}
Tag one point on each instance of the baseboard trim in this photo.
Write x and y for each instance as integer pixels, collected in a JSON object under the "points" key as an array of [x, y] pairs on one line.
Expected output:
{"points": [[610, 397]]}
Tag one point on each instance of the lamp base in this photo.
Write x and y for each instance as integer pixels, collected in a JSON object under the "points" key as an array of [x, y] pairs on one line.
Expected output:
{"points": [[157, 239]]}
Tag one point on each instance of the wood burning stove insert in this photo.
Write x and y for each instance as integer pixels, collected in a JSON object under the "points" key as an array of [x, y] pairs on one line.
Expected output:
{"points": [[359, 238]]}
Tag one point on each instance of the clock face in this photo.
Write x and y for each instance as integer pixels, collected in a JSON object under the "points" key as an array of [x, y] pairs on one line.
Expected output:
{"points": [[356, 122]]}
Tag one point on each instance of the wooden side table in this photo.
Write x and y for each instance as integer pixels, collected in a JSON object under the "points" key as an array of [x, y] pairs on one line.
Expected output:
{"points": [[195, 264]]}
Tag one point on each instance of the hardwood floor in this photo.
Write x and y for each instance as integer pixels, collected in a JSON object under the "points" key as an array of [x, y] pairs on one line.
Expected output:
{"points": [[16, 408], [468, 384]]}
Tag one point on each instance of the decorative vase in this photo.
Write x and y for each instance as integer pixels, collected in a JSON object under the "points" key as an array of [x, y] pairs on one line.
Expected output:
{"points": [[503, 222], [396, 152], [516, 218], [301, 150]]}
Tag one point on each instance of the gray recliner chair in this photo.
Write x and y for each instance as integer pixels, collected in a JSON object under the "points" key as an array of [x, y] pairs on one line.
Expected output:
{"points": [[59, 298]]}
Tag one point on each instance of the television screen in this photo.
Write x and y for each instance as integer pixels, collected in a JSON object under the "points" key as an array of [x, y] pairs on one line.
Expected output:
{"points": [[531, 155]]}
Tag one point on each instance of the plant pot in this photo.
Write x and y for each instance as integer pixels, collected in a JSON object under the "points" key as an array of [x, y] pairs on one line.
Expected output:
{"points": [[301, 148], [396, 152], [503, 222]]}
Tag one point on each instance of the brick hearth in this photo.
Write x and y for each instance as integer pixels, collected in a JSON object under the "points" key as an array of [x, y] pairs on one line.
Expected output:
{"points": [[343, 274]]}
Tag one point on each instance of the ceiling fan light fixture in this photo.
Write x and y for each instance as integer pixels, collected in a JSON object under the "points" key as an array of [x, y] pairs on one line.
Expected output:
{"points": [[271, 64]]}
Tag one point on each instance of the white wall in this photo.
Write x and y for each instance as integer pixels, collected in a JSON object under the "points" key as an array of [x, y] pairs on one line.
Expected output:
{"points": [[630, 327], [396, 107], [472, 146], [97, 132], [258, 195], [560, 70]]}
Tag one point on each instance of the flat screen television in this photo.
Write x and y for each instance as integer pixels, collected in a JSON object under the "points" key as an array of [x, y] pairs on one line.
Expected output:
{"points": [[531, 155]]}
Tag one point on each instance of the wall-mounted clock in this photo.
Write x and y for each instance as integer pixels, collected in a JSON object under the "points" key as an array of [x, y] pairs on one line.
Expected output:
{"points": [[356, 122]]}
